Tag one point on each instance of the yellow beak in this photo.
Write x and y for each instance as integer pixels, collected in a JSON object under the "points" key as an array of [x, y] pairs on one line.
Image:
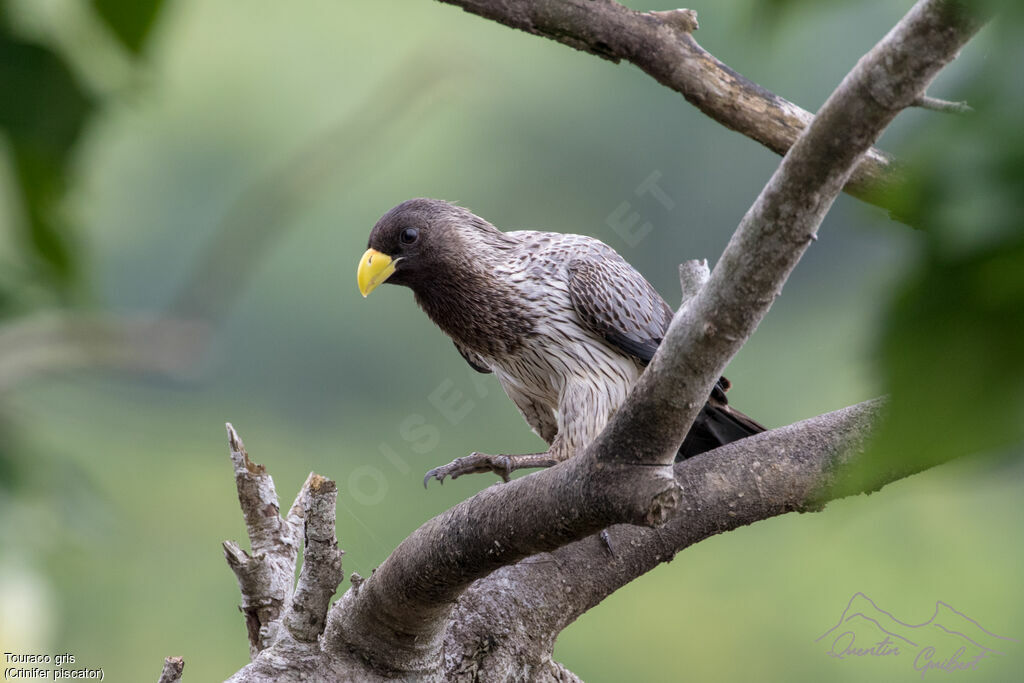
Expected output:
{"points": [[374, 268]]}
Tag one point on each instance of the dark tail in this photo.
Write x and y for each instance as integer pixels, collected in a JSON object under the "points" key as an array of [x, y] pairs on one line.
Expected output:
{"points": [[717, 425]]}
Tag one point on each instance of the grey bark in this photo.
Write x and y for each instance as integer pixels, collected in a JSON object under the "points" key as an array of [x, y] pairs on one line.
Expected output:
{"points": [[793, 468], [265, 576], [945, 106], [321, 562], [473, 592], [171, 673]]}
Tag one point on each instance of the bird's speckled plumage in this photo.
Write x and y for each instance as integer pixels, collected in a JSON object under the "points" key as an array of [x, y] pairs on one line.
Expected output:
{"points": [[563, 321]]}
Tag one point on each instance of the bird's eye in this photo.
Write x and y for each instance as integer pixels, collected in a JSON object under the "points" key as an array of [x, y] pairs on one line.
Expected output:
{"points": [[409, 235]]}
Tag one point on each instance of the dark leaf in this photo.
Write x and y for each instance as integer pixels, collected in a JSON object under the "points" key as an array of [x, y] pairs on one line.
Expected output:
{"points": [[952, 351], [130, 20], [43, 114], [44, 107], [953, 358]]}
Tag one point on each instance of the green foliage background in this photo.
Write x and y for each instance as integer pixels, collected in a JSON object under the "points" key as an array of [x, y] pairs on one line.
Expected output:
{"points": [[226, 161]]}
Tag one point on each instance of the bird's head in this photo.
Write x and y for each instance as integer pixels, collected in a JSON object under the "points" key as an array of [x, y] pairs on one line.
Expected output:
{"points": [[421, 240]]}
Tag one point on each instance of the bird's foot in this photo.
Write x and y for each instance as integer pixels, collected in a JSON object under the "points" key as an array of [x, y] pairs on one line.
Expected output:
{"points": [[471, 464], [502, 465]]}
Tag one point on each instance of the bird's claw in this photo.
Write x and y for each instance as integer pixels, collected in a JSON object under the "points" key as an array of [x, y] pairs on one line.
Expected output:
{"points": [[471, 464]]}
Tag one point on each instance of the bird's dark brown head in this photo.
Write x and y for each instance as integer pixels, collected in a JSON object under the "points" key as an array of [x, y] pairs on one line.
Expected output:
{"points": [[421, 240]]}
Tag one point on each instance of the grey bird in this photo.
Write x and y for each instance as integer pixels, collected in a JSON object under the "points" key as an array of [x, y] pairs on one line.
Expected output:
{"points": [[563, 322]]}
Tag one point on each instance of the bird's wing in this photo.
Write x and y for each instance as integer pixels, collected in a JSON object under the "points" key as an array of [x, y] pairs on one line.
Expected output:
{"points": [[616, 302], [475, 361]]}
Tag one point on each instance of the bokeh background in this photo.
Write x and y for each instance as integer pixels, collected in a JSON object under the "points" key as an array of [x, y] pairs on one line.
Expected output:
{"points": [[186, 187]]}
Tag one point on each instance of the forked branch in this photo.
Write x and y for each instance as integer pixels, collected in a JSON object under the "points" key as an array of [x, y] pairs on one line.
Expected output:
{"points": [[786, 469]]}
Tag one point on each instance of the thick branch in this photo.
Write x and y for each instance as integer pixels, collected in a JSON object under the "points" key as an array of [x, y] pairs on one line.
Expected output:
{"points": [[778, 228], [660, 44], [395, 618], [794, 468], [504, 626], [786, 469]]}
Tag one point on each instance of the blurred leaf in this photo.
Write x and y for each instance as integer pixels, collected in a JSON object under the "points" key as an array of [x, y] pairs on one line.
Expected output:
{"points": [[7, 300], [130, 20], [951, 346], [13, 464], [11, 470], [964, 190], [952, 356], [42, 183], [44, 106], [43, 114]]}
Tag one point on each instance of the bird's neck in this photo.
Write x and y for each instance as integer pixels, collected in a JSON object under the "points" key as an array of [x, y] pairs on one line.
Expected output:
{"points": [[479, 311]]}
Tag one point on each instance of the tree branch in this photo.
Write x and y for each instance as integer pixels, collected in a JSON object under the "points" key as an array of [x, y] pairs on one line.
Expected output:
{"points": [[944, 106], [693, 275], [660, 44], [321, 562], [171, 673], [396, 617], [265, 577], [786, 469], [778, 228]]}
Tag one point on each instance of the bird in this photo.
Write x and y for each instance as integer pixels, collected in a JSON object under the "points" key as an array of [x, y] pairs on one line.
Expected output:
{"points": [[562, 320]]}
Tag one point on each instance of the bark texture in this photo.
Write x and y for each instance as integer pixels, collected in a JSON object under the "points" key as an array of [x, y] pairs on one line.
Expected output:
{"points": [[789, 469], [264, 575], [173, 668], [482, 590]]}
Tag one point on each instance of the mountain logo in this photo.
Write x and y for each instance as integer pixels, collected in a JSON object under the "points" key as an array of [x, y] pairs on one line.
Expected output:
{"points": [[949, 641]]}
